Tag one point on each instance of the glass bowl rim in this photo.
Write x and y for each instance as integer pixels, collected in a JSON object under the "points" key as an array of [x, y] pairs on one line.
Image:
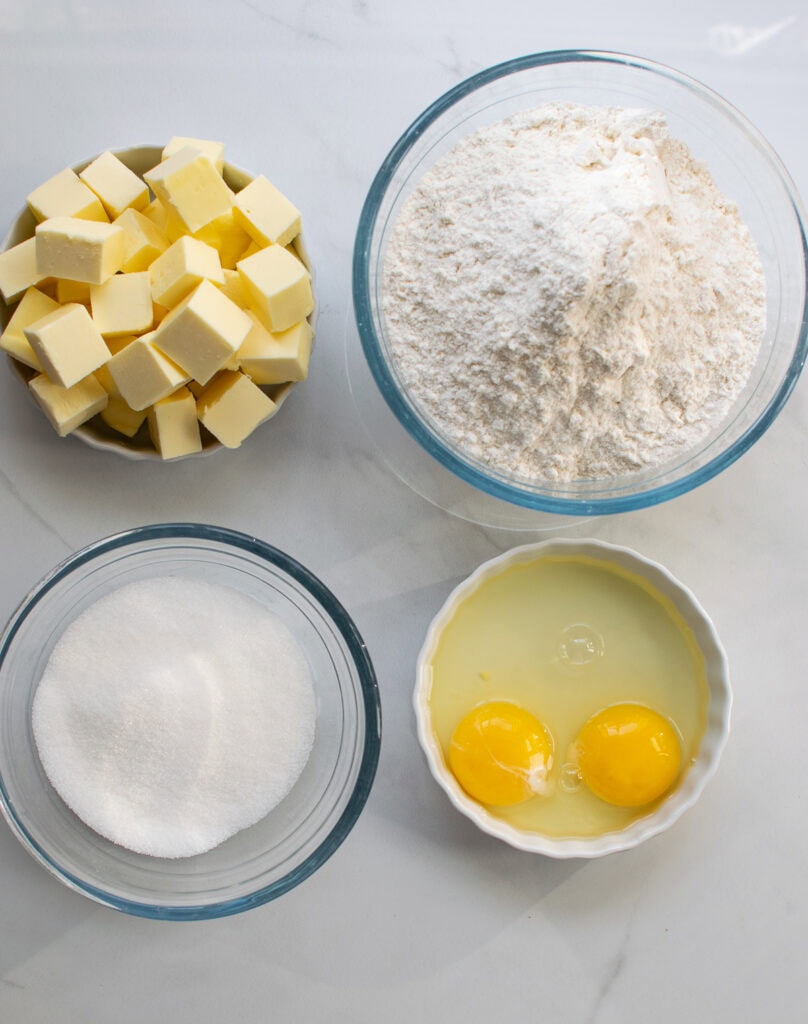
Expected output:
{"points": [[516, 493], [370, 702]]}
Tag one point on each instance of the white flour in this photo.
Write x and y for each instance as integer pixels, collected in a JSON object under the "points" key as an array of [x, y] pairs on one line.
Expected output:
{"points": [[569, 296]]}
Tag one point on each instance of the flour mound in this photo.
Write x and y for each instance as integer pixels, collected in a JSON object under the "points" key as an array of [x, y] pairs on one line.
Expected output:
{"points": [[569, 296]]}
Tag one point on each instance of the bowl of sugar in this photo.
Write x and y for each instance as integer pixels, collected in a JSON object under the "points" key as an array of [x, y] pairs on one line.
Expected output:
{"points": [[190, 722], [579, 282]]}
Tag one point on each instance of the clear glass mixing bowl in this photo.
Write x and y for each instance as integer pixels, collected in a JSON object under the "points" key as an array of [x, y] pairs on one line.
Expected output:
{"points": [[292, 841], [745, 169]]}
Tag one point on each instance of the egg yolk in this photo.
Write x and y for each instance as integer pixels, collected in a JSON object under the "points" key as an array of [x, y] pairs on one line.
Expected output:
{"points": [[628, 755], [501, 754]]}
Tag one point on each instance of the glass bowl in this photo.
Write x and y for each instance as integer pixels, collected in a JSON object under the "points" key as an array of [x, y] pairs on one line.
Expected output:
{"points": [[693, 779], [745, 169], [96, 433], [292, 841]]}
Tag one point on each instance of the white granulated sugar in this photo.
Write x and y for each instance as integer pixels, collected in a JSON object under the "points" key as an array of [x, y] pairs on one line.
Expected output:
{"points": [[569, 296], [174, 713]]}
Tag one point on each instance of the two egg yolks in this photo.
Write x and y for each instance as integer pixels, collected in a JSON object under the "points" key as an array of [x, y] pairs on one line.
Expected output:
{"points": [[627, 754]]}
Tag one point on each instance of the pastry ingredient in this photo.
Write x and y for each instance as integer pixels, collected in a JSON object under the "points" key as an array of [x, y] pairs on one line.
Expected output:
{"points": [[574, 692], [161, 727], [567, 295], [172, 288]]}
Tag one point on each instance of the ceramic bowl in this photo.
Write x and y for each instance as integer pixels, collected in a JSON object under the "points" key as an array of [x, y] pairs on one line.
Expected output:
{"points": [[745, 169], [693, 778], [95, 432], [260, 862]]}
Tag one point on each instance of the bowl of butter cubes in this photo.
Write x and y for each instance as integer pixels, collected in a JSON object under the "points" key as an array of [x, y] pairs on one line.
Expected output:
{"points": [[158, 302]]}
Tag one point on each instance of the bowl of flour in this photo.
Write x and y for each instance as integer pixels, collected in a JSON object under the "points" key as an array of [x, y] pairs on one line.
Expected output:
{"points": [[190, 722], [580, 282]]}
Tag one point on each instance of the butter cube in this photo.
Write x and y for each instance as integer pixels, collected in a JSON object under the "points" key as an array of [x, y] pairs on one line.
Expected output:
{"points": [[203, 333], [18, 270], [68, 408], [231, 407], [190, 186], [116, 186], [173, 425], [67, 343], [251, 250], [64, 195], [276, 358], [278, 287], [121, 417], [82, 250], [32, 307], [157, 214], [144, 241], [72, 291], [265, 213], [227, 237], [182, 267], [234, 289], [102, 374], [143, 375], [123, 304], [213, 150]]}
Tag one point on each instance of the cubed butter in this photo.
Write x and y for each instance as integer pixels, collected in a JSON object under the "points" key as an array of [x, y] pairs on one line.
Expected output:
{"points": [[102, 374], [72, 291], [231, 407], [173, 425], [68, 408], [32, 307], [278, 287], [120, 416], [18, 270], [143, 375], [123, 304], [213, 150], [181, 268], [144, 241], [64, 195], [67, 343], [203, 332], [234, 289], [276, 358], [189, 185], [265, 213], [82, 250], [227, 237], [157, 214], [116, 186]]}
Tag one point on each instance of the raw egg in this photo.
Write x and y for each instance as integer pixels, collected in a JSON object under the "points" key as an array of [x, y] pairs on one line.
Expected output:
{"points": [[501, 754], [628, 755]]}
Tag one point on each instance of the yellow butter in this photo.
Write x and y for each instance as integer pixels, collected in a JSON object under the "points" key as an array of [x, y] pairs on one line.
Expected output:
{"points": [[265, 213], [32, 307], [234, 289], [213, 150], [82, 250], [72, 291], [64, 195], [123, 304], [67, 343], [203, 332], [173, 425], [119, 415], [157, 214], [189, 185], [68, 408], [278, 287], [143, 375], [18, 270], [276, 358], [227, 237], [144, 241], [116, 186], [183, 266], [231, 407]]}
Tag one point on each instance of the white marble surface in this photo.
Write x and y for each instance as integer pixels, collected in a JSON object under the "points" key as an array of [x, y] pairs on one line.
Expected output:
{"points": [[417, 916]]}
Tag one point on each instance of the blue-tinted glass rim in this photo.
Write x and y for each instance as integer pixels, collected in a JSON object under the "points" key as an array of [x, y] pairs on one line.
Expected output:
{"points": [[513, 493], [370, 701]]}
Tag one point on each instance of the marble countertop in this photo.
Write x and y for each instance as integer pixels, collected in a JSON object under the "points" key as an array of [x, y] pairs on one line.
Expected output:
{"points": [[417, 916]]}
